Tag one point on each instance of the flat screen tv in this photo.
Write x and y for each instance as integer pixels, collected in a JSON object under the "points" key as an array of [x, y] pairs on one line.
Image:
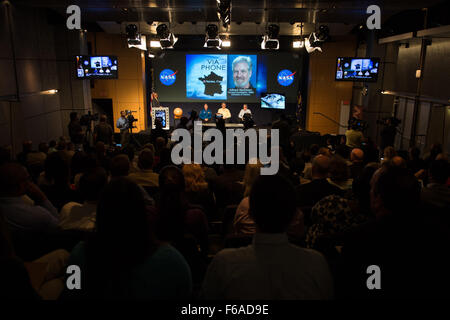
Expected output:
{"points": [[96, 67], [357, 69], [273, 101]]}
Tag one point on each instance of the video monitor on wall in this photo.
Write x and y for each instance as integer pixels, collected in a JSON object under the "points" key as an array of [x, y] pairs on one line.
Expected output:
{"points": [[96, 67], [273, 101], [357, 69]]}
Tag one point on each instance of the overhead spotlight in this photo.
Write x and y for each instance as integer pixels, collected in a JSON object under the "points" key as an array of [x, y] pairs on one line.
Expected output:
{"points": [[155, 44], [224, 12], [270, 41], [312, 43], [212, 39], [151, 55], [133, 36], [298, 44], [166, 39], [226, 43]]}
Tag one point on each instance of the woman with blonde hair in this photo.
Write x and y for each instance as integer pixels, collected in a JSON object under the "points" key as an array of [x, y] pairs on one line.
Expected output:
{"points": [[197, 190], [252, 170]]}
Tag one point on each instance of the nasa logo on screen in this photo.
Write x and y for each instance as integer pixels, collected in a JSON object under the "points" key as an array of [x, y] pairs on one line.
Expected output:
{"points": [[168, 77], [286, 77]]}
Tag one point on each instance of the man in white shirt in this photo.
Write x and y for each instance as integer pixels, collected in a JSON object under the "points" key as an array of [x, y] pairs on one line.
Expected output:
{"points": [[270, 268], [21, 215], [77, 216], [224, 112], [244, 111]]}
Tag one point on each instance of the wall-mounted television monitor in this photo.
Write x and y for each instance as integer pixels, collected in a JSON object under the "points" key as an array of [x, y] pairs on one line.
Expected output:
{"points": [[96, 67], [273, 101], [357, 69]]}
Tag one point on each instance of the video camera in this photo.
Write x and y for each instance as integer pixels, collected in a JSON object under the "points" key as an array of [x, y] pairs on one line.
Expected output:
{"points": [[130, 118], [86, 119]]}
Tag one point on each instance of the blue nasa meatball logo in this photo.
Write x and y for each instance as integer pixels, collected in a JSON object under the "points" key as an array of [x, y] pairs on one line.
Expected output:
{"points": [[285, 77], [168, 77]]}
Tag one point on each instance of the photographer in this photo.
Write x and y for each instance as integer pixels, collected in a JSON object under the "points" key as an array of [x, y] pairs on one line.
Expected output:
{"points": [[122, 125]]}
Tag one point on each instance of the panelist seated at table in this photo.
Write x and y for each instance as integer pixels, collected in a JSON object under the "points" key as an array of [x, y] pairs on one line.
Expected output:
{"points": [[244, 110], [224, 112], [206, 114]]}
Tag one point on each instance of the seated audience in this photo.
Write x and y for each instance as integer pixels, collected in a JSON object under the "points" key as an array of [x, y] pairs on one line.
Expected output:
{"points": [[120, 166], [437, 194], [145, 176], [123, 260], [310, 193], [271, 267], [339, 174], [77, 216], [357, 163], [401, 241], [388, 154], [19, 214], [197, 190], [227, 189], [415, 163]]}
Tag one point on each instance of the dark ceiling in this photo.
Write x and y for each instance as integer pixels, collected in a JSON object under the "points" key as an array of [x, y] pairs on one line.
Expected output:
{"points": [[247, 16]]}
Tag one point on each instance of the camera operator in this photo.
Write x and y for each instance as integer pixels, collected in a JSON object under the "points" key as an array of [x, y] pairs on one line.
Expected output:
{"points": [[388, 132], [103, 132], [123, 126]]}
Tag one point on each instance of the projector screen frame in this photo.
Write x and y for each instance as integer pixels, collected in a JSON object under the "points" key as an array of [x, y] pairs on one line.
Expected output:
{"points": [[96, 77], [375, 59]]}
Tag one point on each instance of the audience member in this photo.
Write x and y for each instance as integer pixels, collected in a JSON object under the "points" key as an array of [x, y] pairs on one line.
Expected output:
{"points": [[310, 193], [271, 267], [339, 174], [123, 260], [77, 216], [357, 162], [103, 132], [436, 194], [20, 215], [197, 190], [145, 176]]}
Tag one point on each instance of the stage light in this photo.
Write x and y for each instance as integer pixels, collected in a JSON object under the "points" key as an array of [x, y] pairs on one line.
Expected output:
{"points": [[151, 55], [133, 36], [312, 43], [155, 44], [226, 43], [224, 12], [270, 41], [48, 92], [141, 45], [298, 44], [212, 39], [166, 39]]}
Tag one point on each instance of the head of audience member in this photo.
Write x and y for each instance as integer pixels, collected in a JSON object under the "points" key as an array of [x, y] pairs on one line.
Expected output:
{"points": [[183, 122], [357, 156], [395, 191], [297, 167], [145, 160], [398, 161], [439, 171], [43, 147], [103, 118], [338, 170], [252, 172], [119, 243], [130, 151], [435, 149], [389, 153], [13, 180], [414, 153], [314, 150], [160, 143], [149, 146], [57, 170], [119, 166], [92, 183], [442, 156], [27, 146], [194, 177], [325, 152], [306, 156], [79, 162], [343, 151], [320, 167], [270, 195], [62, 145]]}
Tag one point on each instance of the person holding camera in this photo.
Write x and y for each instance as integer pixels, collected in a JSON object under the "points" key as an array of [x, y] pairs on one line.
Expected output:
{"points": [[122, 125]]}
